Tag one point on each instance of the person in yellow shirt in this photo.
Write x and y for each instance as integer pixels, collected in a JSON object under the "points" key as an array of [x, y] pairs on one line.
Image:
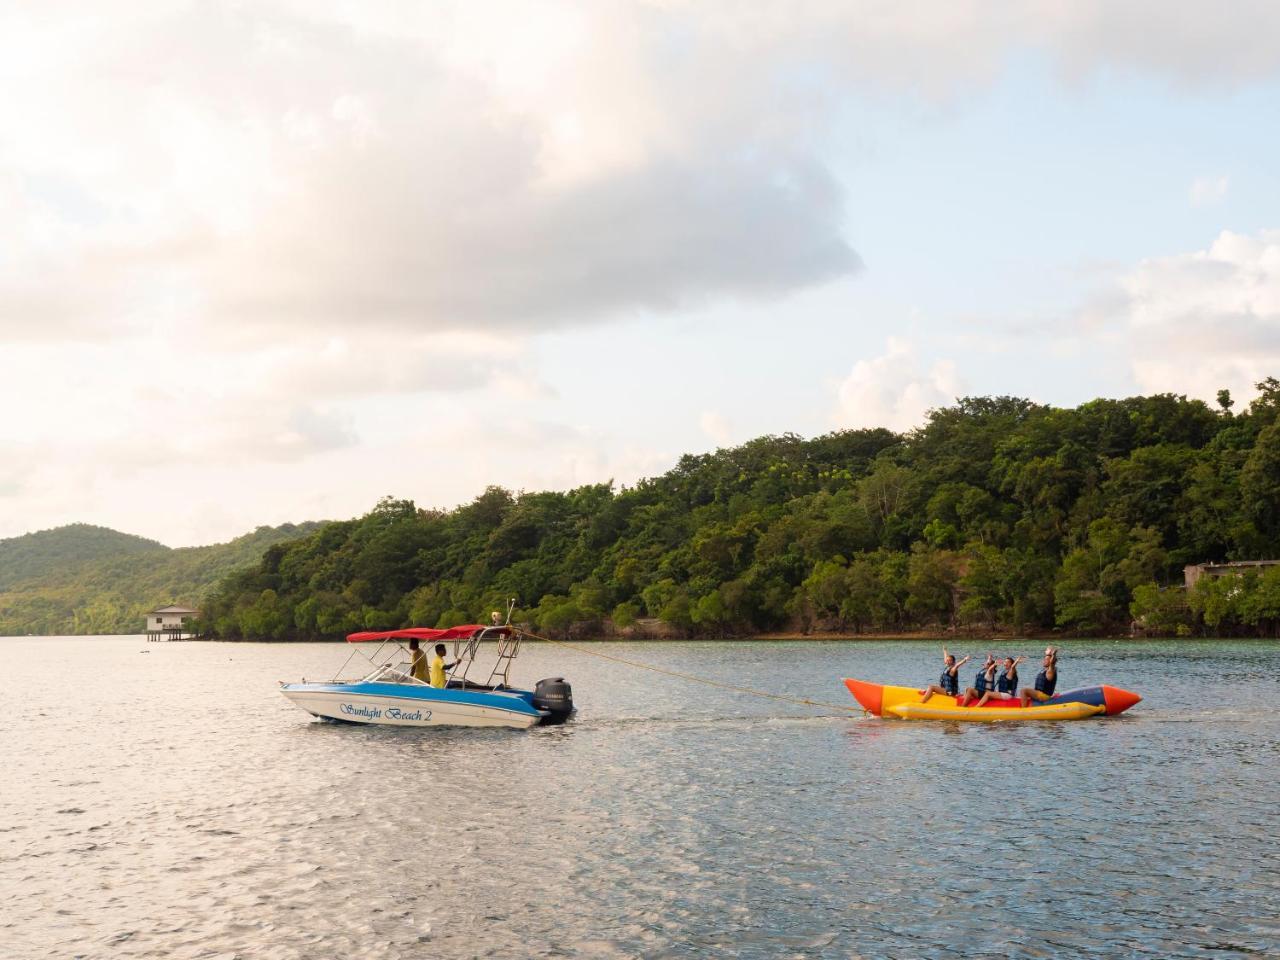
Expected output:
{"points": [[417, 661], [438, 666]]}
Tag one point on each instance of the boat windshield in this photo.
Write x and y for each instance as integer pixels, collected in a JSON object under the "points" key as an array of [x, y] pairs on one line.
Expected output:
{"points": [[391, 673]]}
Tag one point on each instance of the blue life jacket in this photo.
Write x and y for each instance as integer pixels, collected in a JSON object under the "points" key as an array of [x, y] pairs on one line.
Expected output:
{"points": [[980, 681], [949, 682], [1044, 684], [1007, 682]]}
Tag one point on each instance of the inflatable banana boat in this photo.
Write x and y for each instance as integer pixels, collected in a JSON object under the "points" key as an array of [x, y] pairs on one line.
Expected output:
{"points": [[904, 704]]}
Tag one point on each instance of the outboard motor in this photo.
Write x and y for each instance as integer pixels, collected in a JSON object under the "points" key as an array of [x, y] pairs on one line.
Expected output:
{"points": [[556, 697]]}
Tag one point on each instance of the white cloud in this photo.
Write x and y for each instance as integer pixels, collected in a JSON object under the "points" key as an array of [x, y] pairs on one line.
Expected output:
{"points": [[894, 390], [1175, 39], [14, 473], [282, 166], [521, 453], [189, 443], [519, 165], [716, 427], [439, 452], [1206, 191], [1201, 321], [100, 416]]}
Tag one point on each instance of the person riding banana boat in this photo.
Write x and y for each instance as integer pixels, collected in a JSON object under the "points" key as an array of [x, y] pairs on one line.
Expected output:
{"points": [[949, 683], [984, 680], [1046, 680]]}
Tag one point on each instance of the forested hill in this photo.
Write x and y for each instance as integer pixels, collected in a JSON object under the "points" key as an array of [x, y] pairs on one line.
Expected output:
{"points": [[83, 579], [36, 555], [998, 513]]}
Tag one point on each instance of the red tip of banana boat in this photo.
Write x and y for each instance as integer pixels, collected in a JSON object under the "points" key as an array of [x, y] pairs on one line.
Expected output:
{"points": [[870, 695], [1117, 700]]}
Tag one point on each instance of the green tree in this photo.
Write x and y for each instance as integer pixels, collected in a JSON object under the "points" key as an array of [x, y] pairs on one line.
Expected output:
{"points": [[1215, 600], [827, 588], [1259, 601], [1260, 482], [1091, 593], [1162, 611], [625, 614], [983, 586], [931, 584]]}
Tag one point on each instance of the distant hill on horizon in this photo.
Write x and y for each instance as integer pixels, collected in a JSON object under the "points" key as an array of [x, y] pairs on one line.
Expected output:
{"points": [[86, 579], [33, 555]]}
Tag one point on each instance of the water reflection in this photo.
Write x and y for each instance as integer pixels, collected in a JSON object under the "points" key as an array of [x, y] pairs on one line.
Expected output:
{"points": [[177, 806]]}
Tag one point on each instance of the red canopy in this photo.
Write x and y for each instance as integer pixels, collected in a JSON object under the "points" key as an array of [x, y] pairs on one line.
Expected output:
{"points": [[462, 632]]}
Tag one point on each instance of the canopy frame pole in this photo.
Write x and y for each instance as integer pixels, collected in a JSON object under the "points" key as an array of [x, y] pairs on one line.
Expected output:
{"points": [[469, 653], [350, 657]]}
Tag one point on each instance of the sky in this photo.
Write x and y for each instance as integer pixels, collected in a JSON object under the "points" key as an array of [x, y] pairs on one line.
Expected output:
{"points": [[269, 261]]}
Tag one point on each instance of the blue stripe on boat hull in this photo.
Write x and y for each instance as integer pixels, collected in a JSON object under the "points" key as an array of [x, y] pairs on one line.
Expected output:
{"points": [[519, 702], [1090, 695]]}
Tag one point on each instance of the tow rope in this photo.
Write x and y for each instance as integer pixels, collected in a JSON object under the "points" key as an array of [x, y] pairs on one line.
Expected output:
{"points": [[802, 701]]}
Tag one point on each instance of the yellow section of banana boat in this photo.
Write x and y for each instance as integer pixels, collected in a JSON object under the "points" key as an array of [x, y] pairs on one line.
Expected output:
{"points": [[904, 703], [1057, 711]]}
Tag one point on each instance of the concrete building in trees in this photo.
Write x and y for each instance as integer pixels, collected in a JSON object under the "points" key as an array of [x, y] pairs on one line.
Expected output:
{"points": [[1236, 568]]}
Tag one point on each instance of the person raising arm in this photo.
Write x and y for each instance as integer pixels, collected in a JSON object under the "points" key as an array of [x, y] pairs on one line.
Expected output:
{"points": [[984, 680], [949, 682], [1046, 679]]}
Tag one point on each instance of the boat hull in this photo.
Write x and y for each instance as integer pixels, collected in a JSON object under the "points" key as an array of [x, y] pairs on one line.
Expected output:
{"points": [[410, 705], [903, 703], [927, 711]]}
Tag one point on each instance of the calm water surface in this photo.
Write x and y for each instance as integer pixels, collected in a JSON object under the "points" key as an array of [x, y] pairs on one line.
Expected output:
{"points": [[163, 800]]}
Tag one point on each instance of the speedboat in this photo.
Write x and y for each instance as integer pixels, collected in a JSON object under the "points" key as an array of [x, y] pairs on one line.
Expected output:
{"points": [[390, 694]]}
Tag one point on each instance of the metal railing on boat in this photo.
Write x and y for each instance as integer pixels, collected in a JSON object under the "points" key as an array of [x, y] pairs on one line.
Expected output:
{"points": [[508, 641]]}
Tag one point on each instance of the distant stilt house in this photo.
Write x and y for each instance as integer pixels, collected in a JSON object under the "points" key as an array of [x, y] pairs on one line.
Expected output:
{"points": [[170, 623]]}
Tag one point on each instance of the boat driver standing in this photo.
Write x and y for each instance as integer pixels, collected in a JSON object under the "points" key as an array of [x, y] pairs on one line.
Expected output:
{"points": [[438, 666]]}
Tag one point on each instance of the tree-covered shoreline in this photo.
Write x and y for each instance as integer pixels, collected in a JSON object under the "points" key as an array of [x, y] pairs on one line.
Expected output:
{"points": [[81, 579], [997, 515]]}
